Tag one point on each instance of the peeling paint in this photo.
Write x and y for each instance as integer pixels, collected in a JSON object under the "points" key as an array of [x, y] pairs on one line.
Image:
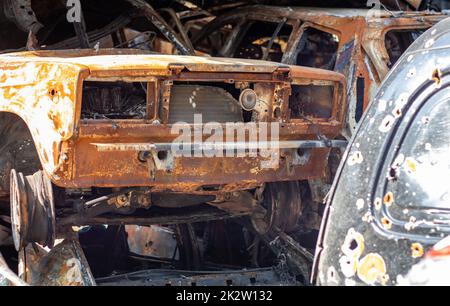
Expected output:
{"points": [[371, 269]]}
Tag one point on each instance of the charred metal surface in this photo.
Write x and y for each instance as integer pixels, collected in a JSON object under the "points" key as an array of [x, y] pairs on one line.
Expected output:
{"points": [[80, 30], [64, 265], [363, 43], [49, 100], [153, 16], [155, 277], [32, 209], [297, 259], [396, 211], [153, 241], [155, 216]]}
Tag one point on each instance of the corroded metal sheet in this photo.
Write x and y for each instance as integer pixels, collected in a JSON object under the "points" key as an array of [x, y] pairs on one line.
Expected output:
{"points": [[152, 240], [44, 88], [64, 265]]}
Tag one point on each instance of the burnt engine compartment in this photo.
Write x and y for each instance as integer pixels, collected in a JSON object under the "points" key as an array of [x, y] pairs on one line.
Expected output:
{"points": [[114, 100]]}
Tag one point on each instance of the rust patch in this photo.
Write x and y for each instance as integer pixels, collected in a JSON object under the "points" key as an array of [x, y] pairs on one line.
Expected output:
{"points": [[386, 124], [377, 203], [387, 224], [388, 199], [436, 77], [372, 269], [417, 250]]}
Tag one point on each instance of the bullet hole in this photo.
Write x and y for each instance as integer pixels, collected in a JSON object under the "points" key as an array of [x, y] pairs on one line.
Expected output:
{"points": [[348, 266], [416, 250], [377, 203], [353, 245], [331, 275], [436, 77], [388, 198], [229, 282], [425, 120], [384, 279], [411, 72], [429, 43], [387, 224], [393, 174], [386, 124], [397, 112], [355, 158], [252, 280], [403, 98]]}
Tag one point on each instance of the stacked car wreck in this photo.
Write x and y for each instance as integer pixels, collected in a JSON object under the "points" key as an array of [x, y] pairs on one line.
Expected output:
{"points": [[119, 145], [55, 93]]}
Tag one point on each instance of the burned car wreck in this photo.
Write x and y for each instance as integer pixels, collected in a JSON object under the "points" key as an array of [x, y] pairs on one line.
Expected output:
{"points": [[87, 139], [397, 167], [362, 44], [146, 143]]}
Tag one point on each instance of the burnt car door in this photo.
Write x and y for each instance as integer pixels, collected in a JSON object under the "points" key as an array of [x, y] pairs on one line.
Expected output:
{"points": [[398, 170]]}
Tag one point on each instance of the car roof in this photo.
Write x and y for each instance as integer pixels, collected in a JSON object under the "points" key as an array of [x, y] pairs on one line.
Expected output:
{"points": [[334, 12], [106, 61], [112, 59]]}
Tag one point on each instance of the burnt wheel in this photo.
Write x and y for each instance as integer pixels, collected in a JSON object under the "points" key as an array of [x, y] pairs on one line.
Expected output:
{"points": [[281, 207], [32, 209]]}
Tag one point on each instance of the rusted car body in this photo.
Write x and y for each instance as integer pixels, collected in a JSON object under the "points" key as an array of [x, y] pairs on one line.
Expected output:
{"points": [[360, 43], [45, 90], [103, 119]]}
